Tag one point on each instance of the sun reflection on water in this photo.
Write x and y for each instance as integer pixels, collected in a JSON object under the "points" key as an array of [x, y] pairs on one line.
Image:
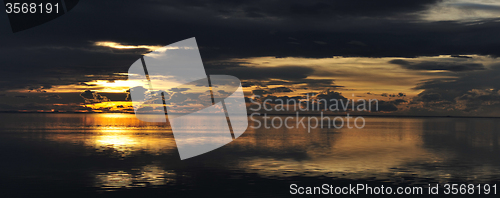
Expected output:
{"points": [[412, 150], [119, 134], [147, 176]]}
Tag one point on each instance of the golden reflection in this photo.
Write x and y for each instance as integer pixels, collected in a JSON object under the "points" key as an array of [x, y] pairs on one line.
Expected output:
{"points": [[112, 180], [150, 175], [388, 149], [124, 144], [385, 146], [120, 134], [121, 144]]}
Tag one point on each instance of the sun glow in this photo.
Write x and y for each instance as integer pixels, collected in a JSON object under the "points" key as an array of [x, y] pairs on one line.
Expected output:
{"points": [[116, 86], [110, 106], [120, 46]]}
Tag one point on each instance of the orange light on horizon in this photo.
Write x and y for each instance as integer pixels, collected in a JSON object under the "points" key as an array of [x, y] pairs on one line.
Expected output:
{"points": [[116, 45], [110, 106]]}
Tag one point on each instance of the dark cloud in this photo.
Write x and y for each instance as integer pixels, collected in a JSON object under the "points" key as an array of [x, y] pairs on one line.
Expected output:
{"points": [[316, 84], [68, 102], [296, 76], [429, 65], [263, 73], [62, 51], [386, 106], [479, 99], [280, 90], [394, 95], [399, 101], [328, 95], [323, 100], [300, 9], [51, 96], [357, 43], [464, 82], [473, 91], [260, 92], [93, 97], [428, 97], [115, 96], [34, 106], [270, 99]]}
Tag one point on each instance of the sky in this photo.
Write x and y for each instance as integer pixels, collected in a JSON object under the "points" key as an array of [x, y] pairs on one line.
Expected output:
{"points": [[425, 57]]}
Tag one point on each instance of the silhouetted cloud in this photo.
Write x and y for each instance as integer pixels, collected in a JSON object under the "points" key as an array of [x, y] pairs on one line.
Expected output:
{"points": [[63, 52], [476, 91], [261, 73], [429, 65], [93, 97], [228, 29], [280, 90]]}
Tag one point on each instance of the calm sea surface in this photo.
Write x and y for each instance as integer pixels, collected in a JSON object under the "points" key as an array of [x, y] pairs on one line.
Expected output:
{"points": [[116, 155]]}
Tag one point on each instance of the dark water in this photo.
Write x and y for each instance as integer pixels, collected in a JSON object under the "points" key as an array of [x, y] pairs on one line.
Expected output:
{"points": [[115, 155]]}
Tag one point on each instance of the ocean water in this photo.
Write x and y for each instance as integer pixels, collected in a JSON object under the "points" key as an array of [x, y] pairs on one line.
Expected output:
{"points": [[116, 155]]}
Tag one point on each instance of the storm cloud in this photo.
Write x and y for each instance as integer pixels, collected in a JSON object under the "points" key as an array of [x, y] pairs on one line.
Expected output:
{"points": [[63, 51]]}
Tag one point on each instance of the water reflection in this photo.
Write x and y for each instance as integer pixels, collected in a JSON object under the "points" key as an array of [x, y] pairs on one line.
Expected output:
{"points": [[120, 144], [387, 149], [119, 134], [118, 151], [125, 145], [147, 176], [376, 151]]}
